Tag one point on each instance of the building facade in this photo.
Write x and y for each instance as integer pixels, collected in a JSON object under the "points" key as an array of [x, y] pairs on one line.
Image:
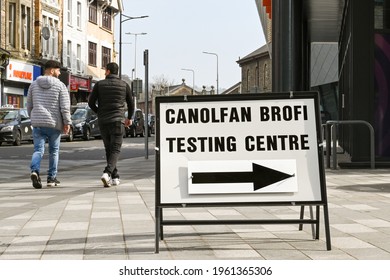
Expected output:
{"points": [[361, 30], [100, 36], [74, 50], [256, 69], [364, 76], [77, 33]]}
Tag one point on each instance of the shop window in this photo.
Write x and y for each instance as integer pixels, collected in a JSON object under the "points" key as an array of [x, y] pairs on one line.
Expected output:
{"points": [[14, 100]]}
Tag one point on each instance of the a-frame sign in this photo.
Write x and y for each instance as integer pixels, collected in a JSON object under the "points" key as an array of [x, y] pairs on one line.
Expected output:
{"points": [[244, 149]]}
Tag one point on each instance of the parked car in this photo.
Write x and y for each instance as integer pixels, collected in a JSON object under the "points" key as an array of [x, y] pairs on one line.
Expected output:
{"points": [[138, 124], [152, 124], [84, 122], [15, 125]]}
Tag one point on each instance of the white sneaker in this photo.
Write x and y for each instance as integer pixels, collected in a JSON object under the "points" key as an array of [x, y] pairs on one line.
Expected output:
{"points": [[106, 179], [115, 181]]}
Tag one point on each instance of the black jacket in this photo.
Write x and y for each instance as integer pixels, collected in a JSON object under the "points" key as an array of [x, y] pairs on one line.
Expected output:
{"points": [[109, 98]]}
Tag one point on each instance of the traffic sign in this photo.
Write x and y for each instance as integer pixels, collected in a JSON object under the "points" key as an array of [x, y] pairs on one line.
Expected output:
{"points": [[239, 148]]}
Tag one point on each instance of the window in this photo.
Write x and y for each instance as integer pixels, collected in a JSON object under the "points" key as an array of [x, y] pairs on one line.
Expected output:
{"points": [[92, 56], [78, 58], [45, 44], [53, 38], [382, 14], [26, 28], [106, 56], [266, 77], [247, 80], [93, 12], [106, 20], [69, 54], [79, 15], [70, 12], [11, 24]]}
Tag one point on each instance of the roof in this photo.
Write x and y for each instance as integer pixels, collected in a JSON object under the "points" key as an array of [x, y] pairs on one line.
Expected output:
{"points": [[323, 18], [236, 88], [262, 51]]}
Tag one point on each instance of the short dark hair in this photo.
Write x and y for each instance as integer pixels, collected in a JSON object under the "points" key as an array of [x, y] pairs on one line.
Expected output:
{"points": [[113, 67], [52, 64]]}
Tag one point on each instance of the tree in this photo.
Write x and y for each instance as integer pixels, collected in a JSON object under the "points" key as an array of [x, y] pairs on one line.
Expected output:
{"points": [[126, 78], [160, 82]]}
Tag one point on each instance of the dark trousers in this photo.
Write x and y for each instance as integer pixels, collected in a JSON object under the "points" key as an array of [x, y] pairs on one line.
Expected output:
{"points": [[112, 135]]}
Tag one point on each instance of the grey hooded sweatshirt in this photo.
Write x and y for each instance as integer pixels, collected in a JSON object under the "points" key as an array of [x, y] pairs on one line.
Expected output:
{"points": [[48, 103]]}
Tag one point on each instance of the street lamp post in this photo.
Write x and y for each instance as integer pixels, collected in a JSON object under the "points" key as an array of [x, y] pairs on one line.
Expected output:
{"points": [[193, 79], [135, 50], [217, 69], [120, 37], [135, 80]]}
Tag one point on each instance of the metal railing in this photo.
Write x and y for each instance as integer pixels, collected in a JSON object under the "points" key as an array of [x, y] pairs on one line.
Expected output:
{"points": [[333, 125]]}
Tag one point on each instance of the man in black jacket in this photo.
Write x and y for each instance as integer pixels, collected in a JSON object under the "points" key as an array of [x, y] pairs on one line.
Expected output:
{"points": [[108, 99]]}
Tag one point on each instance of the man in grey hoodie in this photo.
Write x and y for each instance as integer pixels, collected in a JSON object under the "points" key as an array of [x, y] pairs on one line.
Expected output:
{"points": [[48, 105]]}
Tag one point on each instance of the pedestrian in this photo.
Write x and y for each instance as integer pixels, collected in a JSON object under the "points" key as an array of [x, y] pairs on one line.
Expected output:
{"points": [[48, 105], [110, 98]]}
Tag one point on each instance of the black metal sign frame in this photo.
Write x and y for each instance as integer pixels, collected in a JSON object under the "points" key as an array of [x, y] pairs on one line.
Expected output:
{"points": [[314, 220]]}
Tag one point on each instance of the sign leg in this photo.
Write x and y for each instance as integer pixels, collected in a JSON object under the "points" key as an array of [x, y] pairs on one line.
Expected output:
{"points": [[301, 216], [327, 228], [157, 230], [313, 229]]}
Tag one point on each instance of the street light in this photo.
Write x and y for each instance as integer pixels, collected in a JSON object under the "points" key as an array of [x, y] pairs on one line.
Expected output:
{"points": [[193, 79], [217, 69], [135, 50], [120, 37]]}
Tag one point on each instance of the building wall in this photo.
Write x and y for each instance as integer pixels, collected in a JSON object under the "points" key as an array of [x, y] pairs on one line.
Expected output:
{"points": [[256, 75], [75, 30], [358, 97], [324, 63], [32, 17], [48, 13], [96, 33], [18, 51]]}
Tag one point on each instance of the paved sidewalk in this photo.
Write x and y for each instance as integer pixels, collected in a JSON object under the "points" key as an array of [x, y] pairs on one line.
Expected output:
{"points": [[82, 220]]}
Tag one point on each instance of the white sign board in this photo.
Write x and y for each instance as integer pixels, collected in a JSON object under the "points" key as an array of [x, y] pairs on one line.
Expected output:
{"points": [[243, 148], [20, 72]]}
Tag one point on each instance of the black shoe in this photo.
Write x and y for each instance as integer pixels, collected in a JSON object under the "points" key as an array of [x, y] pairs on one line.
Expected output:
{"points": [[36, 180], [53, 182]]}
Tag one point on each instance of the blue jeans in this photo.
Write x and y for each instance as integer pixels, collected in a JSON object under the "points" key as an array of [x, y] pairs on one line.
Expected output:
{"points": [[53, 136]]}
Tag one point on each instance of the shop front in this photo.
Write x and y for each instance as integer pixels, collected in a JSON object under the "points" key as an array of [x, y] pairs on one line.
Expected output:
{"points": [[79, 88], [18, 77]]}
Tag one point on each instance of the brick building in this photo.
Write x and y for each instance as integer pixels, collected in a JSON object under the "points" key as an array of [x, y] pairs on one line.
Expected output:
{"points": [[256, 71]]}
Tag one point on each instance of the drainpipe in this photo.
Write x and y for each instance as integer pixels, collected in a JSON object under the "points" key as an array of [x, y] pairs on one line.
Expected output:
{"points": [[287, 45]]}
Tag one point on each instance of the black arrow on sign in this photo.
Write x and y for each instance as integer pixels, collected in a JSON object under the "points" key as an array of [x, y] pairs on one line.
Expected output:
{"points": [[260, 176]]}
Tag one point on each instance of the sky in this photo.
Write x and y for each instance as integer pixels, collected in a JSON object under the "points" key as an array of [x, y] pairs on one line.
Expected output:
{"points": [[179, 31]]}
